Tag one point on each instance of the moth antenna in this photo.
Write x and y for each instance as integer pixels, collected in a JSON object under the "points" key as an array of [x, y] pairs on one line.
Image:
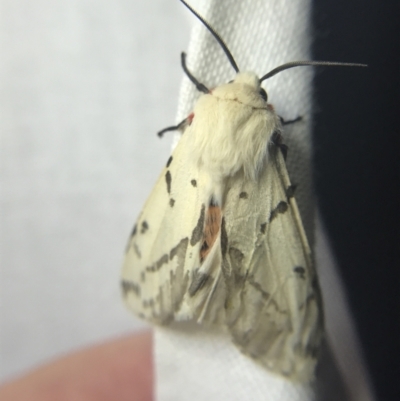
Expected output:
{"points": [[293, 64], [216, 36], [199, 86]]}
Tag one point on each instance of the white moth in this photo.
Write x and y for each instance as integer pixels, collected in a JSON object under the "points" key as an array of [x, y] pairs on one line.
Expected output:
{"points": [[220, 239]]}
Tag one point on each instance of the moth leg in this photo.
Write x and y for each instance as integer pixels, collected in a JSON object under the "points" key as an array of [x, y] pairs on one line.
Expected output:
{"points": [[199, 86], [288, 122], [276, 140], [180, 127]]}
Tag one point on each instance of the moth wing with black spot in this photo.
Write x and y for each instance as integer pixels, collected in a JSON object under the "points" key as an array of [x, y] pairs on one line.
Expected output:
{"points": [[273, 306], [161, 275]]}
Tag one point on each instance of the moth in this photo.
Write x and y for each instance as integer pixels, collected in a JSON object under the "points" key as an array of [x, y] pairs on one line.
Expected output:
{"points": [[220, 239]]}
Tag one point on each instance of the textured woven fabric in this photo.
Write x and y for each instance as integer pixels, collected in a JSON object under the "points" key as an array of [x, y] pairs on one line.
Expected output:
{"points": [[195, 363]]}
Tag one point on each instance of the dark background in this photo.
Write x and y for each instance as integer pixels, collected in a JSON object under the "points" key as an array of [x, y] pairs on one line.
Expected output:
{"points": [[356, 138]]}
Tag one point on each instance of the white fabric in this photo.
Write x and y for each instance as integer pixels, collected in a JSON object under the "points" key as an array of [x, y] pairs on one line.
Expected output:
{"points": [[194, 363]]}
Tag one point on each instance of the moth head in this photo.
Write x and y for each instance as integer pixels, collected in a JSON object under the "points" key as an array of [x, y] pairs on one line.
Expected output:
{"points": [[251, 79], [245, 88]]}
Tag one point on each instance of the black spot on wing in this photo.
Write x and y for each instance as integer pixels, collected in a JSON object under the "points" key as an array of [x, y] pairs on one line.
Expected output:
{"points": [[158, 264], [290, 190], [243, 195], [281, 208], [130, 287], [194, 183], [161, 261], [300, 271], [179, 250], [172, 202], [197, 233], [145, 227], [263, 228], [169, 161], [224, 238], [168, 180], [198, 282]]}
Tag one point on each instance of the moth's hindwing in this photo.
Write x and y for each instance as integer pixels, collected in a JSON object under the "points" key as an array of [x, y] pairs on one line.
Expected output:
{"points": [[273, 306], [161, 276]]}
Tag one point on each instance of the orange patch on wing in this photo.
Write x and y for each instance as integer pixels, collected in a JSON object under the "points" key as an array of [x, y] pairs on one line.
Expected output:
{"points": [[190, 118], [211, 230]]}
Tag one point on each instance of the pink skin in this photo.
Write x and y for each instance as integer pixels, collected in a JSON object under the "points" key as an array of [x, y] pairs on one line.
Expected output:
{"points": [[120, 370]]}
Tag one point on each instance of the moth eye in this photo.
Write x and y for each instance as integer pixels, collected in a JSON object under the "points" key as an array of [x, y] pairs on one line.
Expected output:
{"points": [[263, 94]]}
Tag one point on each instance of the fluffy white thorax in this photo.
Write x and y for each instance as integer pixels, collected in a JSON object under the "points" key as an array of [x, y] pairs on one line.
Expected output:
{"points": [[231, 129]]}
